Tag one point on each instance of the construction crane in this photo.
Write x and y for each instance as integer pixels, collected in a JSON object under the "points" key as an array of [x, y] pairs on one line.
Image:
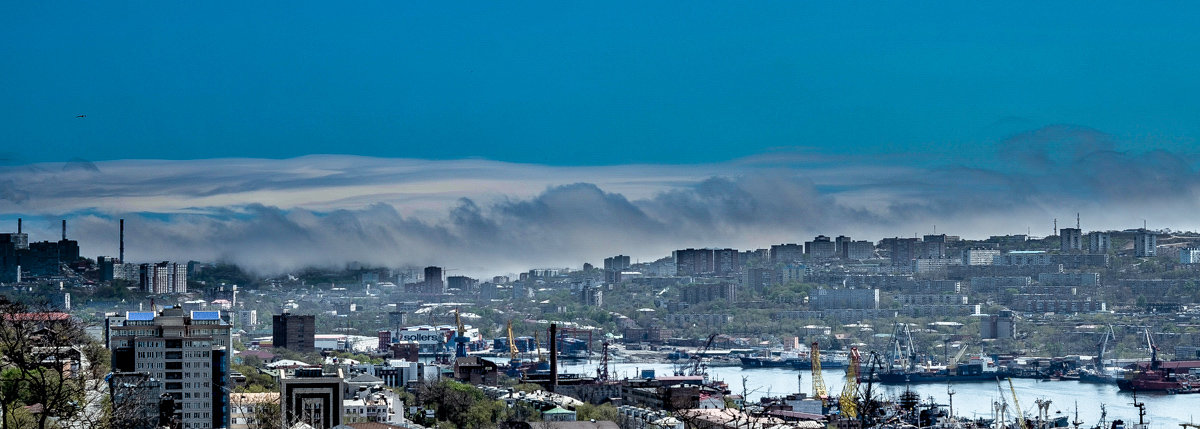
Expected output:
{"points": [[1017, 404], [849, 399], [818, 383], [512, 344]]}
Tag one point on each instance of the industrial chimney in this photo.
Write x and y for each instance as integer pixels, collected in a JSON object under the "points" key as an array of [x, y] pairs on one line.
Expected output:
{"points": [[553, 357], [64, 229], [122, 255], [18, 225]]}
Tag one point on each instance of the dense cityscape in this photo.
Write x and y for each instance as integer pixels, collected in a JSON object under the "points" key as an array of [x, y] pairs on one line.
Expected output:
{"points": [[599, 215], [208, 345]]}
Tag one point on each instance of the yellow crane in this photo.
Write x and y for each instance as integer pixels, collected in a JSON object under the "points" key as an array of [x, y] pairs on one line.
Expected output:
{"points": [[818, 383], [848, 402], [512, 343], [1017, 404]]}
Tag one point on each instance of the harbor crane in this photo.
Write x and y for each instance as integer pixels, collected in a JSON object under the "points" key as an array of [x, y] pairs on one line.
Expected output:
{"points": [[818, 383], [460, 340], [698, 359], [1103, 347], [848, 402], [1016, 404], [512, 344]]}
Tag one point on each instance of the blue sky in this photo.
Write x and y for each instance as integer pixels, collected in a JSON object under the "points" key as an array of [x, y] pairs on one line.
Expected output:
{"points": [[588, 84], [398, 133]]}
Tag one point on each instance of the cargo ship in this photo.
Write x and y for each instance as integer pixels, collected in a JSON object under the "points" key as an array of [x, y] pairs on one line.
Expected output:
{"points": [[978, 368]]}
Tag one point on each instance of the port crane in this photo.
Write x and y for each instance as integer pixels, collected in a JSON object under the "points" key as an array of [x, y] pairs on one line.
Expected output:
{"points": [[512, 344], [1016, 404], [698, 359], [848, 401], [1102, 348], [818, 383], [904, 350], [460, 340]]}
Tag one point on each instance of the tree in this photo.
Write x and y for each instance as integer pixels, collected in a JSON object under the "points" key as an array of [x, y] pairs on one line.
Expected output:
{"points": [[262, 411], [48, 356]]}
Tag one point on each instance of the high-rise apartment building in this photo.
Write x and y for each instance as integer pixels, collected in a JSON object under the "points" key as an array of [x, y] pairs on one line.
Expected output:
{"points": [[294, 332], [858, 250], [187, 352], [786, 253], [1145, 243], [820, 248], [1070, 240], [903, 250], [1099, 242], [840, 245], [980, 256], [163, 277]]}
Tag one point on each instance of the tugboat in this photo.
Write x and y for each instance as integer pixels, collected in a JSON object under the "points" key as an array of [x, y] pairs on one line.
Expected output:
{"points": [[1154, 377]]}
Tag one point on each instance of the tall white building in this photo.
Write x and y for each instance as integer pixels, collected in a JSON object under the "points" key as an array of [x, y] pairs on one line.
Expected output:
{"points": [[979, 256], [188, 352]]}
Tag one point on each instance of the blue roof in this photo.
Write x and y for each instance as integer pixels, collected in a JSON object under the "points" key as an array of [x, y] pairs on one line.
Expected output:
{"points": [[139, 315], [206, 315]]}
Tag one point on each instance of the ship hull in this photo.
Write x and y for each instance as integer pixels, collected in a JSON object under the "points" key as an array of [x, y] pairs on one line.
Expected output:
{"points": [[917, 377]]}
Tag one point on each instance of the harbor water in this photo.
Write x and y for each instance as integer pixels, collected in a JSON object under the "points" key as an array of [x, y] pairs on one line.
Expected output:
{"points": [[971, 400]]}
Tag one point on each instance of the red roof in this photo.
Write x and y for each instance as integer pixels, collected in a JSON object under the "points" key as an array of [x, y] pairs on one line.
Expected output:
{"points": [[44, 316]]}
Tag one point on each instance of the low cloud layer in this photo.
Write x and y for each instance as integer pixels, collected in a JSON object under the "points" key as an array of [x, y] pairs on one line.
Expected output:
{"points": [[484, 217]]}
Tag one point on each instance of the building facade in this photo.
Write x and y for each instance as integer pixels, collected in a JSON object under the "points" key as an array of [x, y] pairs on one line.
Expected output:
{"points": [[188, 352], [294, 332]]}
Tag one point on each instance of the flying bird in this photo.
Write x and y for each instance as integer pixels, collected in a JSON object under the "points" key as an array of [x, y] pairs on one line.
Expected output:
{"points": [[80, 116]]}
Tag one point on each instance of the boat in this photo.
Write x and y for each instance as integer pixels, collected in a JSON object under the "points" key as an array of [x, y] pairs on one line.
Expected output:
{"points": [[978, 368], [768, 362], [1153, 377]]}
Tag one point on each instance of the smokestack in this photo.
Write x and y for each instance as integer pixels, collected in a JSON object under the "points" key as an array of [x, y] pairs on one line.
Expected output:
{"points": [[18, 225], [553, 357], [122, 256], [64, 230]]}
